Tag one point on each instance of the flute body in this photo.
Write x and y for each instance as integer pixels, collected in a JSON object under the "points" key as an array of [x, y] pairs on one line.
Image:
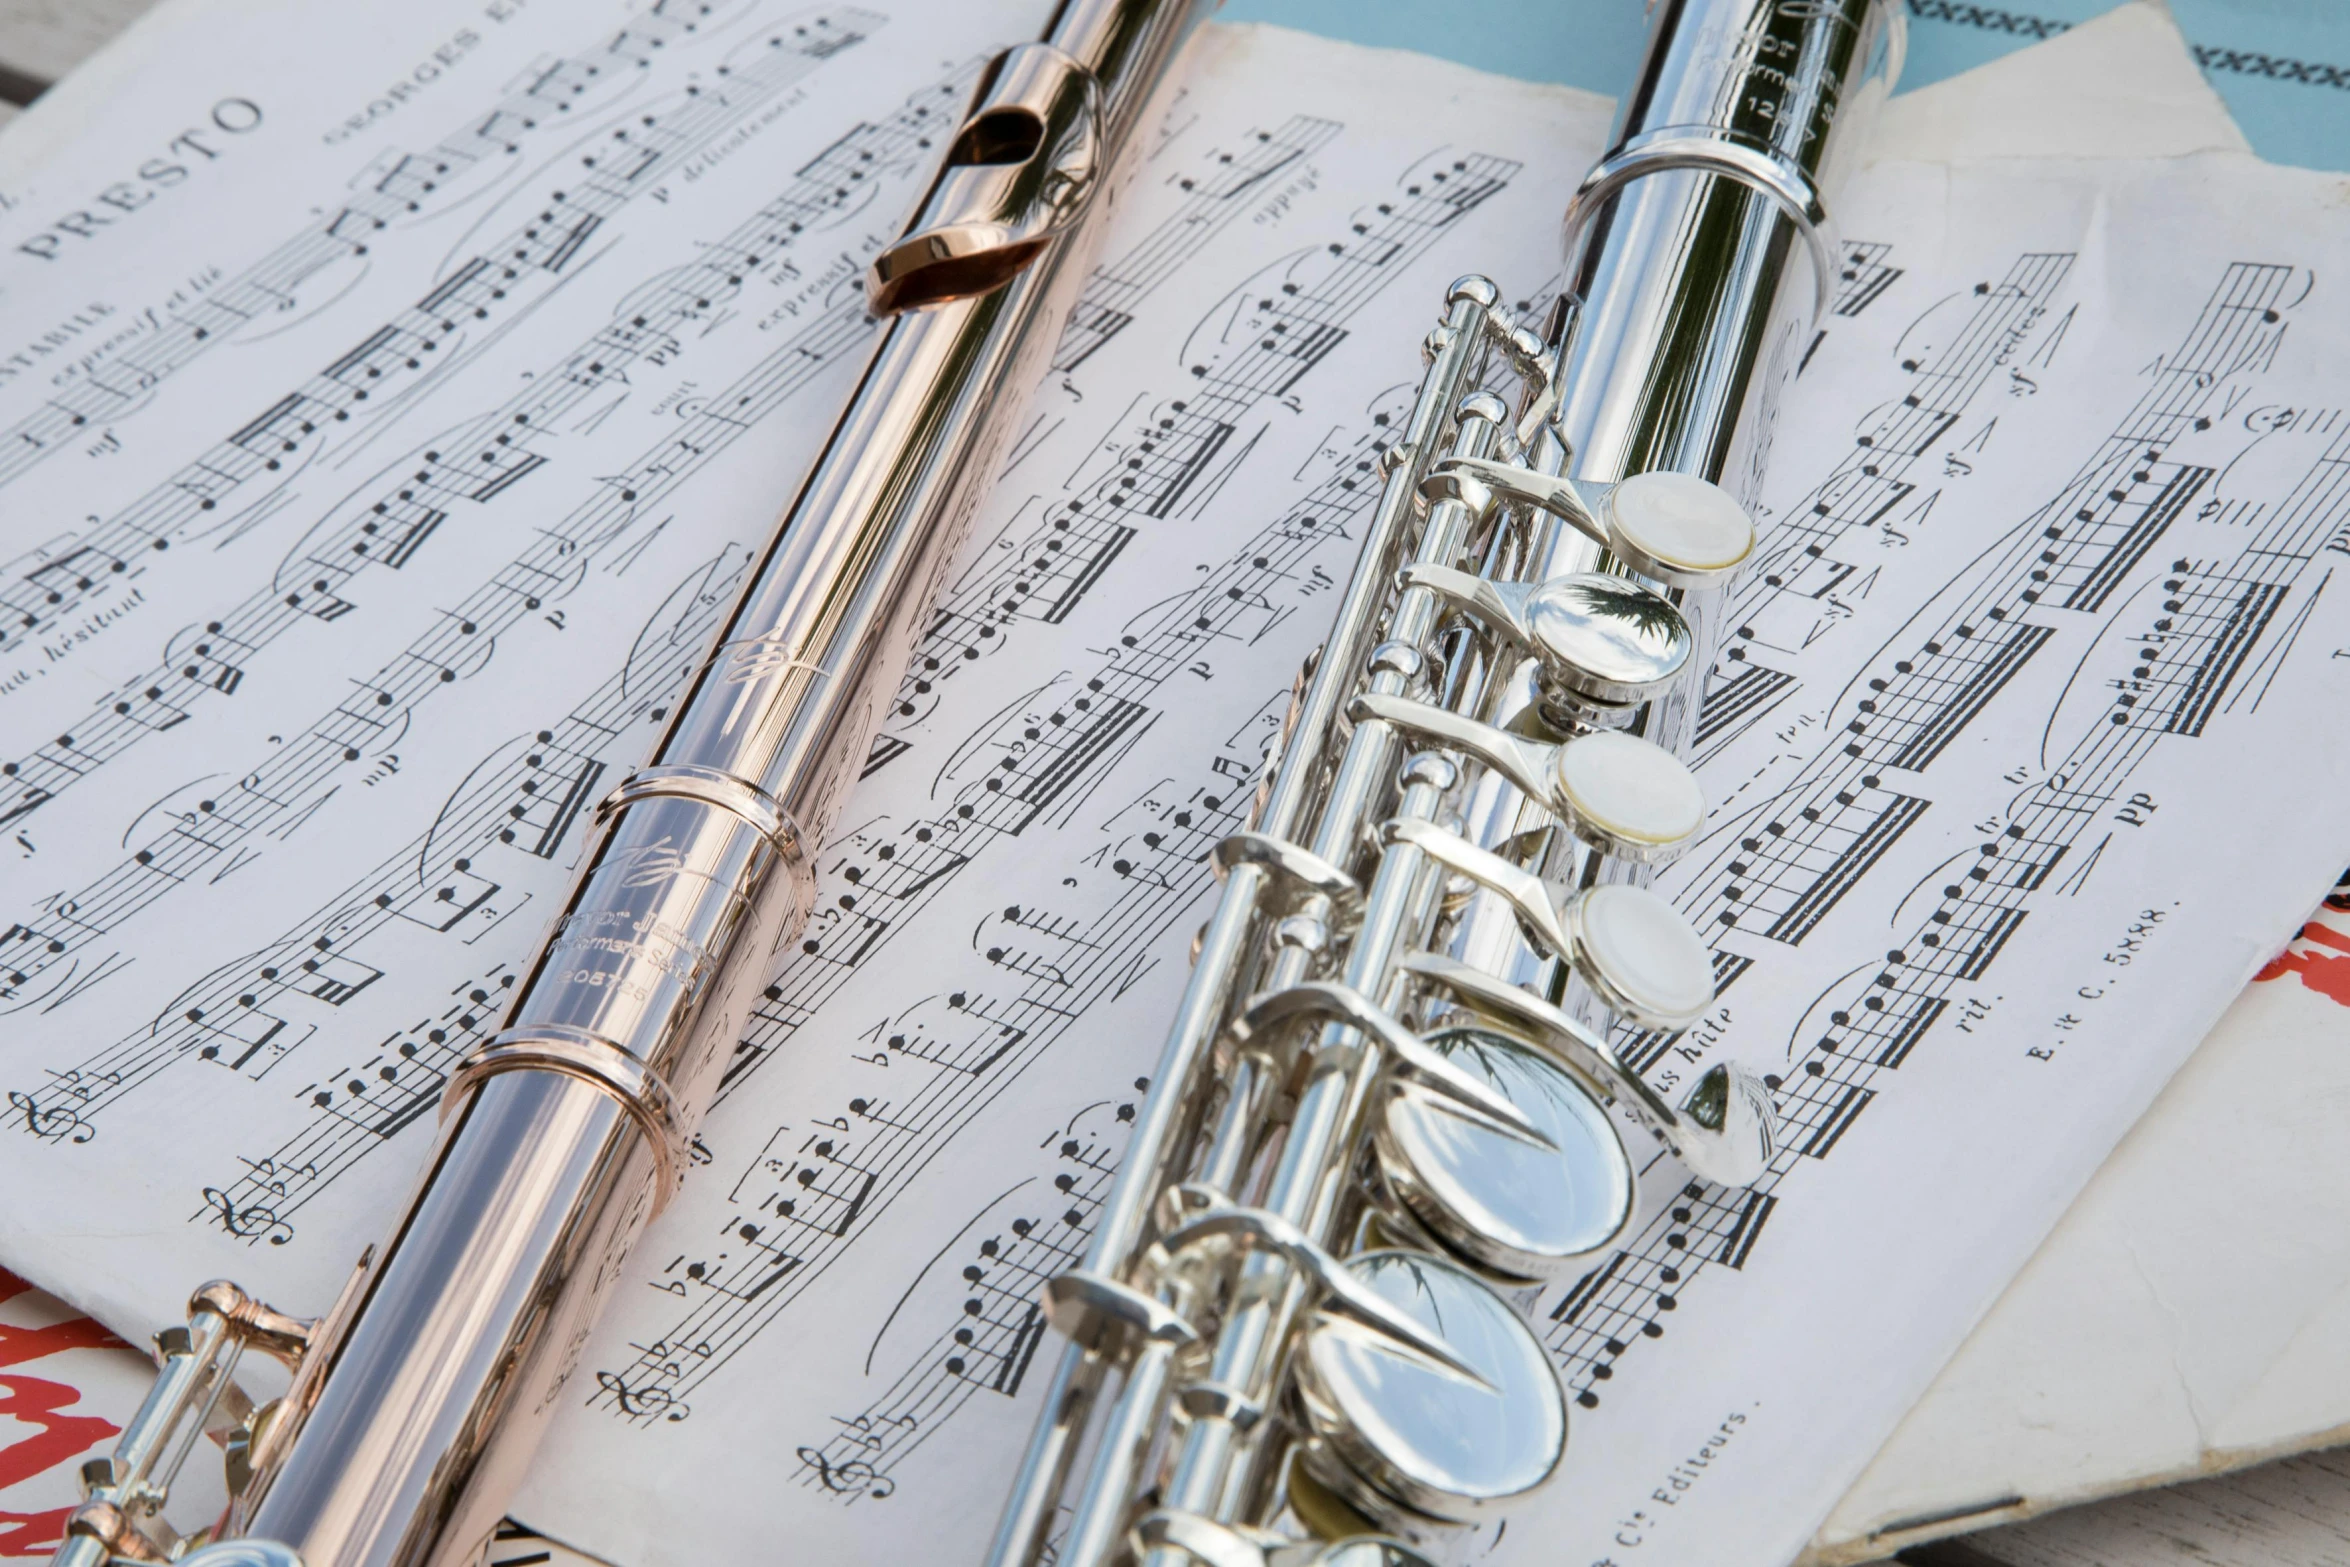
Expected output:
{"points": [[1382, 1108], [1702, 249], [417, 1401]]}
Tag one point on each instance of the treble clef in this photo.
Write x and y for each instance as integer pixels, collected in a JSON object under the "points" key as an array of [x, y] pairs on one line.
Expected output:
{"points": [[51, 1122], [641, 1403], [854, 1478], [252, 1222]]}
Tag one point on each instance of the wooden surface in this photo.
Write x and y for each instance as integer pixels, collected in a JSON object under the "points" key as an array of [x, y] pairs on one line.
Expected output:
{"points": [[2295, 1513]]}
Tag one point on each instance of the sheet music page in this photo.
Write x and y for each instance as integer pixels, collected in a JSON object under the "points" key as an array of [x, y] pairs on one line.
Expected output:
{"points": [[838, 1322], [2049, 510], [2025, 754], [453, 454], [2118, 1356], [375, 465]]}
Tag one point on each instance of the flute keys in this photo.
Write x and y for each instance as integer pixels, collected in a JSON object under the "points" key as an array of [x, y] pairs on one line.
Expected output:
{"points": [[1630, 946], [244, 1552], [1640, 956], [1627, 796], [1619, 793], [1673, 527], [1607, 637], [1399, 1435], [1678, 528], [1338, 1527], [1516, 1211], [1726, 1129], [1241, 1545], [1602, 638]]}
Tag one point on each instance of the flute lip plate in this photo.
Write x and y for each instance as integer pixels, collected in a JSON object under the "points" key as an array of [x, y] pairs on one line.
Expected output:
{"points": [[1408, 1431], [1607, 637], [1520, 1211]]}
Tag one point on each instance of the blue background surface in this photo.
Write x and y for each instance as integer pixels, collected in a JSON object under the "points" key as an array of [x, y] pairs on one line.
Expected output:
{"points": [[2282, 65]]}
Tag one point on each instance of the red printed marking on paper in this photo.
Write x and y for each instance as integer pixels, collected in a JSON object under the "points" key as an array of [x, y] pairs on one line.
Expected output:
{"points": [[2320, 955]]}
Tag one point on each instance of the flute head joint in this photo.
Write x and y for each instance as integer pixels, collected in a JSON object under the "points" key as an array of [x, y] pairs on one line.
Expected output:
{"points": [[1019, 173]]}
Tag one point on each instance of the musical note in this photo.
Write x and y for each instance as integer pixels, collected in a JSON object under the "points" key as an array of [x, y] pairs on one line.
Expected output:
{"points": [[401, 187], [371, 798]]}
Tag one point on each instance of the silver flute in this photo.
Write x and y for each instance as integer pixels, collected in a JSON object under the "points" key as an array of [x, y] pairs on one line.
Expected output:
{"points": [[1384, 1110], [416, 1402]]}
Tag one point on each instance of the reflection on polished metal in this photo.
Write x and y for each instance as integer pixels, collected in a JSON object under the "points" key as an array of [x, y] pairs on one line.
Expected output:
{"points": [[599, 1063], [417, 1402], [1515, 1210], [1728, 154], [1404, 1440], [1595, 635], [1725, 1130], [1395, 1033]]}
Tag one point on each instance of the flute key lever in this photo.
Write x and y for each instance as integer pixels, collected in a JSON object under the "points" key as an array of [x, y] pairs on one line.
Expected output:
{"points": [[1020, 171], [1632, 948], [1537, 588], [1598, 637], [1673, 527], [1725, 1129], [1228, 1229], [1409, 1055], [1616, 792], [1231, 1545]]}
